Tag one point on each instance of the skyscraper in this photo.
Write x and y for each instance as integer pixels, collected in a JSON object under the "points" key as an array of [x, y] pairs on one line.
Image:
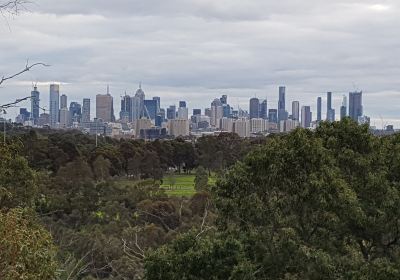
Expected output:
{"points": [[54, 104], [150, 109], [306, 116], [125, 113], [224, 99], [217, 112], [254, 108], [158, 99], [273, 115], [343, 108], [319, 109], [86, 110], [182, 104], [330, 112], [196, 112], [63, 101], [75, 110], [282, 114], [355, 105], [264, 110], [295, 110], [138, 104], [105, 107], [35, 105], [171, 112]]}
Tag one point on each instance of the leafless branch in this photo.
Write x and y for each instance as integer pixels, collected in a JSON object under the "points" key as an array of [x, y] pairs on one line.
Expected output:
{"points": [[27, 68], [13, 7], [203, 227]]}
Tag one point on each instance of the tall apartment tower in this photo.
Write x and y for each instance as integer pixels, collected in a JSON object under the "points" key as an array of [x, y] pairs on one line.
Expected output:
{"points": [[295, 110], [254, 108], [35, 105], [355, 105], [282, 114], [105, 107], [319, 109], [343, 108], [330, 112], [54, 106], [63, 101], [86, 110], [306, 116]]}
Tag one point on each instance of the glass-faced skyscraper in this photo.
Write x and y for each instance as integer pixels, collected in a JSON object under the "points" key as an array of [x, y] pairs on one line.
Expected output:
{"points": [[319, 109], [35, 105], [296, 110], [330, 112], [282, 114], [86, 110], [355, 105], [54, 107], [254, 108], [343, 108]]}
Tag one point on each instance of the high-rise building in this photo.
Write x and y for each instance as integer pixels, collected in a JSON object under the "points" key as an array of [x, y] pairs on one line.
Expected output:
{"points": [[65, 118], [258, 125], [126, 110], [226, 124], [295, 110], [343, 108], [273, 115], [150, 109], [158, 99], [264, 110], [35, 105], [254, 108], [105, 107], [178, 127], [182, 104], [171, 112], [330, 112], [242, 127], [63, 101], [137, 104], [217, 112], [306, 116], [282, 114], [196, 112], [54, 104], [319, 109], [207, 112], [183, 113], [86, 110], [224, 99], [75, 110], [355, 105]]}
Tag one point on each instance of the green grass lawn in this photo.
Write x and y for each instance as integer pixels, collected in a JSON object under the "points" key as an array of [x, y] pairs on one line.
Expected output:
{"points": [[183, 186]]}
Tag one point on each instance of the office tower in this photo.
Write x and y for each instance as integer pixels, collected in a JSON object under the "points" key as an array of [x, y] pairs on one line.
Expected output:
{"points": [[264, 110], [217, 112], [226, 110], [35, 105], [150, 109], [295, 110], [178, 127], [343, 108], [319, 109], [63, 101], [24, 115], [65, 117], [104, 107], [273, 115], [54, 104], [330, 112], [158, 99], [282, 114], [162, 114], [183, 113], [171, 112], [254, 108], [196, 112], [137, 104], [224, 99], [182, 104], [288, 125], [125, 113], [355, 105], [207, 112], [142, 124], [86, 110], [242, 127], [75, 110], [306, 116]]}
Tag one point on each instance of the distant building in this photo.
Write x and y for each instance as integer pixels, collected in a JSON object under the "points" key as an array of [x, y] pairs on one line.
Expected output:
{"points": [[35, 105], [295, 110], [343, 108], [158, 100], [171, 112], [178, 127], [224, 99], [226, 124], [242, 127], [182, 104], [207, 112], [75, 110], [217, 112], [63, 101], [125, 113], [54, 104], [254, 108], [330, 112], [355, 105], [142, 124], [105, 107], [196, 112], [65, 118], [288, 125], [273, 115], [264, 110], [44, 119], [183, 113], [319, 109], [306, 116], [282, 114], [258, 125], [150, 108], [86, 110]]}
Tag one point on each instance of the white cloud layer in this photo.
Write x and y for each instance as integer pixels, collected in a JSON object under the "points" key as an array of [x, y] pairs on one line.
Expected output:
{"points": [[198, 49]]}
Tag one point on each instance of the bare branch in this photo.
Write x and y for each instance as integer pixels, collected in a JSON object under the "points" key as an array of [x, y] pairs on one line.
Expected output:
{"points": [[13, 7], [27, 68]]}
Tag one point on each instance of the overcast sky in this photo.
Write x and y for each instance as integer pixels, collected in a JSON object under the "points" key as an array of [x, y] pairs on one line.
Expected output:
{"points": [[196, 50]]}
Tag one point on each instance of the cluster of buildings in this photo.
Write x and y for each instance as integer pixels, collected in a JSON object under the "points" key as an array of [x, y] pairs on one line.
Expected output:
{"points": [[146, 119]]}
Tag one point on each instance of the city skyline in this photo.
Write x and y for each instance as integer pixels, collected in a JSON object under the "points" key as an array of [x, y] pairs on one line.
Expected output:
{"points": [[199, 49]]}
